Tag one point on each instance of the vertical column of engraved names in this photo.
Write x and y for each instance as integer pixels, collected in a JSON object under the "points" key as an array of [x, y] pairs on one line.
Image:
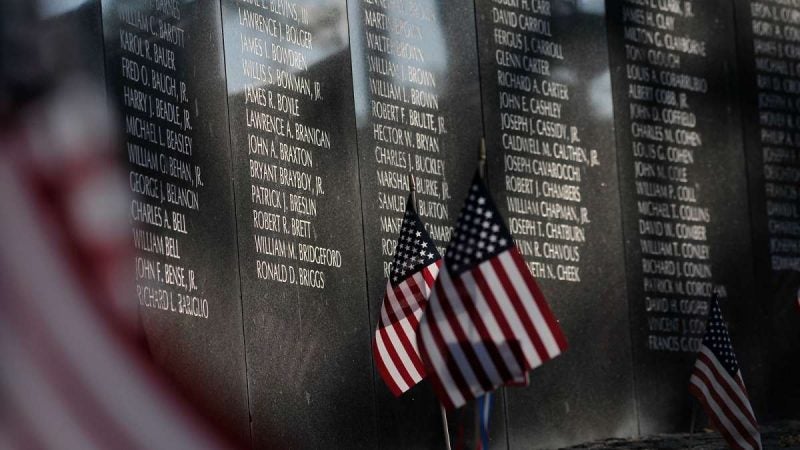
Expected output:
{"points": [[166, 182], [545, 163], [283, 149], [776, 46], [667, 142], [405, 118]]}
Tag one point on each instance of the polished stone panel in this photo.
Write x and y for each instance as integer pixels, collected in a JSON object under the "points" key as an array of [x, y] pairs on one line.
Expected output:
{"points": [[173, 112], [768, 79], [683, 191], [552, 166], [417, 110], [301, 249]]}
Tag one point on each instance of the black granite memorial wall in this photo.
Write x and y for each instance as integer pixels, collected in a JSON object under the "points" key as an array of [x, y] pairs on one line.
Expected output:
{"points": [[164, 67], [770, 81], [301, 249], [683, 194], [630, 149], [552, 165]]}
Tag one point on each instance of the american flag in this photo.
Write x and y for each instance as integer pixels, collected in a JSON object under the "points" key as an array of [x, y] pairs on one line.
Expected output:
{"points": [[413, 271], [717, 383], [76, 372], [487, 322]]}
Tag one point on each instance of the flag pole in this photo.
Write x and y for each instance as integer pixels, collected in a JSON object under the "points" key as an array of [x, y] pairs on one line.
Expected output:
{"points": [[482, 159], [412, 186], [446, 430], [482, 175]]}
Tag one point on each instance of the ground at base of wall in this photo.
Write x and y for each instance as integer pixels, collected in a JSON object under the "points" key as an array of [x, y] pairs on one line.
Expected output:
{"points": [[781, 435]]}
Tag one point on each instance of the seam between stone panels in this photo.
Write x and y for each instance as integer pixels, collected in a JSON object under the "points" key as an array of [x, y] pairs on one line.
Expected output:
{"points": [[625, 256], [751, 185], [103, 42], [236, 220], [354, 124], [486, 178]]}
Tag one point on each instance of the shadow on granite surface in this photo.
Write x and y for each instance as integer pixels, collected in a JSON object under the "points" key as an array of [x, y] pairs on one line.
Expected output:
{"points": [[779, 435]]}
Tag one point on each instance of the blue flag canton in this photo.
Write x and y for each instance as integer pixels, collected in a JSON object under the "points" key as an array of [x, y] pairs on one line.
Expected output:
{"points": [[415, 248], [480, 233], [718, 340]]}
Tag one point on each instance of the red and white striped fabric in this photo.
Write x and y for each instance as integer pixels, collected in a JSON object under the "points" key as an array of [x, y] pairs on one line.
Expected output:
{"points": [[487, 322], [414, 269], [717, 383], [75, 373]]}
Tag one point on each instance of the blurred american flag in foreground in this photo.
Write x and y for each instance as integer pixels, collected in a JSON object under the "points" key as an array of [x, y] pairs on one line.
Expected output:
{"points": [[75, 372]]}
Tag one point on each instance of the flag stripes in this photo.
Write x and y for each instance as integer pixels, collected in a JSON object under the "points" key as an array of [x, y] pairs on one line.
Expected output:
{"points": [[734, 388], [726, 398], [487, 323], [717, 383], [413, 271], [721, 416], [490, 311], [492, 336], [508, 301], [395, 343], [76, 380]]}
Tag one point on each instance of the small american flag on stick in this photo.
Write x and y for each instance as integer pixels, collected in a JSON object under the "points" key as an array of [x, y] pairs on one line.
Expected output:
{"points": [[717, 383], [487, 322], [413, 271]]}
